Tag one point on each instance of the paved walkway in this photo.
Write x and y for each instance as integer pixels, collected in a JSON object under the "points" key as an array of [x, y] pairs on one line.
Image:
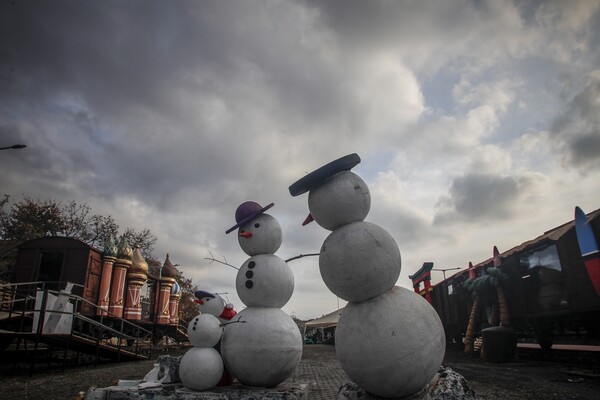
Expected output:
{"points": [[320, 369]]}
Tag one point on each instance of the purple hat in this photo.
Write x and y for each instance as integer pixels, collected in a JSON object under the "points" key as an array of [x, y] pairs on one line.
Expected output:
{"points": [[246, 212]]}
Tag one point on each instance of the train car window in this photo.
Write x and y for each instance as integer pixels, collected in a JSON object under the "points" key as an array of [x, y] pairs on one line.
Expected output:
{"points": [[544, 258], [450, 288], [543, 279], [51, 265]]}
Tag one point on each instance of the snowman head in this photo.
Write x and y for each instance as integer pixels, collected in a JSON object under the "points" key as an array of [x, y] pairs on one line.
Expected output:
{"points": [[341, 200], [209, 303], [337, 196], [262, 235], [258, 233]]}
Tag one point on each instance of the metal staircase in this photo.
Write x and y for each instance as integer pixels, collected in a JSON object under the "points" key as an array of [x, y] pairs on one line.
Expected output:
{"points": [[35, 319]]}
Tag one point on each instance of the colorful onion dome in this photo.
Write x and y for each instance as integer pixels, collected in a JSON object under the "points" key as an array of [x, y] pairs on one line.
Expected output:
{"points": [[176, 289], [138, 263], [124, 252], [110, 247], [168, 269]]}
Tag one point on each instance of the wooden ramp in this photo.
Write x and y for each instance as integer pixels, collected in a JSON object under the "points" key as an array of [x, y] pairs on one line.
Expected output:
{"points": [[97, 348]]}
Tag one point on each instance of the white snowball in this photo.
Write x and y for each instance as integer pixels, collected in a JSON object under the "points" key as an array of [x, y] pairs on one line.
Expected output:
{"points": [[392, 345], [200, 368], [359, 261], [266, 235], [204, 331], [345, 198], [265, 280], [265, 350]]}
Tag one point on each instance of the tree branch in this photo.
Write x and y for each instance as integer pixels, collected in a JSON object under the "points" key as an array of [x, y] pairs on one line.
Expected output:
{"points": [[212, 258], [300, 256]]}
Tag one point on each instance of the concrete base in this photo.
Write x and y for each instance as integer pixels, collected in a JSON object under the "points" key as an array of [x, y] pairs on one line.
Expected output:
{"points": [[445, 385], [136, 390]]}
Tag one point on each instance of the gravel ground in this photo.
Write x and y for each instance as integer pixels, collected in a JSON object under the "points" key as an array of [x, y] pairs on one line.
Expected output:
{"points": [[517, 381], [527, 379]]}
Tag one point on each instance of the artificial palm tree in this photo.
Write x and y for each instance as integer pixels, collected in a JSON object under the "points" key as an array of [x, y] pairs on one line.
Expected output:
{"points": [[476, 286], [497, 279]]}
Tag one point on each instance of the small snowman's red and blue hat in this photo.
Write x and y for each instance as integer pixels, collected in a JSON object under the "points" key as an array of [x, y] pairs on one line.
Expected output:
{"points": [[200, 294], [246, 212], [320, 175]]}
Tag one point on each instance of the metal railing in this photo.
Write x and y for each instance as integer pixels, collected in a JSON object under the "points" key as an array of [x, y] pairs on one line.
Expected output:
{"points": [[99, 331]]}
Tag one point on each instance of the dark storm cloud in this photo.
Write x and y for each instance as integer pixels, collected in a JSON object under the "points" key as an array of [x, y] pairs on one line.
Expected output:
{"points": [[478, 198], [122, 79], [179, 94], [577, 129]]}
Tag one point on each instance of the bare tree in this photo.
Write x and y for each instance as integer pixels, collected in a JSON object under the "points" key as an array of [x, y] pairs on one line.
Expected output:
{"points": [[31, 219]]}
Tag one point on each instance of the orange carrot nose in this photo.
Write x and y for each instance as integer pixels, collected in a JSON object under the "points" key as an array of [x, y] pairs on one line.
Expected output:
{"points": [[308, 220], [245, 234], [199, 301]]}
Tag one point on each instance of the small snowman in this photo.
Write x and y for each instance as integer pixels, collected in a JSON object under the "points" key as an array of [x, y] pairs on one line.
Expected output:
{"points": [[389, 340], [201, 367], [266, 348], [213, 304]]}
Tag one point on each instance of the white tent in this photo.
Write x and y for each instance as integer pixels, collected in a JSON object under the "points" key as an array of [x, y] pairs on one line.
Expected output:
{"points": [[325, 321]]}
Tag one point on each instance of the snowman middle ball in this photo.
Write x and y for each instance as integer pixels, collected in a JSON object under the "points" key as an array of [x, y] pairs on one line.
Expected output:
{"points": [[204, 330], [265, 280], [359, 261], [343, 199]]}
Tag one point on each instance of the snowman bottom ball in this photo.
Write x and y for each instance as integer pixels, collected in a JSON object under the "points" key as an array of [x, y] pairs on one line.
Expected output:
{"points": [[391, 345], [200, 368], [265, 349]]}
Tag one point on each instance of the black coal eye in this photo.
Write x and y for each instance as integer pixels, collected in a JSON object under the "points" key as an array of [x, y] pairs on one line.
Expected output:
{"points": [[257, 225], [207, 299]]}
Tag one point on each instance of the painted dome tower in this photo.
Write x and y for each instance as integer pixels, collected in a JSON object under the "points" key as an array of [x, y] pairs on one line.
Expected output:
{"points": [[136, 277]]}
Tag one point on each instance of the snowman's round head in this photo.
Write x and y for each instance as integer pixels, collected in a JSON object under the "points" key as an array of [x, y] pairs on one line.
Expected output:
{"points": [[261, 235], [210, 303], [342, 199]]}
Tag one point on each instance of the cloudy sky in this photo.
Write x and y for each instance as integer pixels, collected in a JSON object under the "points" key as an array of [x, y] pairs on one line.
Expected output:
{"points": [[478, 122]]}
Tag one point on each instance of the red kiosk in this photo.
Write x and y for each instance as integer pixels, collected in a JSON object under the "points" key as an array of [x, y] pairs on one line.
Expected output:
{"points": [[423, 275]]}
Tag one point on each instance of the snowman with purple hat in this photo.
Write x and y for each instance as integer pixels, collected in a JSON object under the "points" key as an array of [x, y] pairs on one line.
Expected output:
{"points": [[263, 346]]}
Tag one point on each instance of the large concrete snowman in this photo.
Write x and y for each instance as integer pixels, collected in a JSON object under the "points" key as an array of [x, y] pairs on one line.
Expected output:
{"points": [[265, 347], [389, 340]]}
